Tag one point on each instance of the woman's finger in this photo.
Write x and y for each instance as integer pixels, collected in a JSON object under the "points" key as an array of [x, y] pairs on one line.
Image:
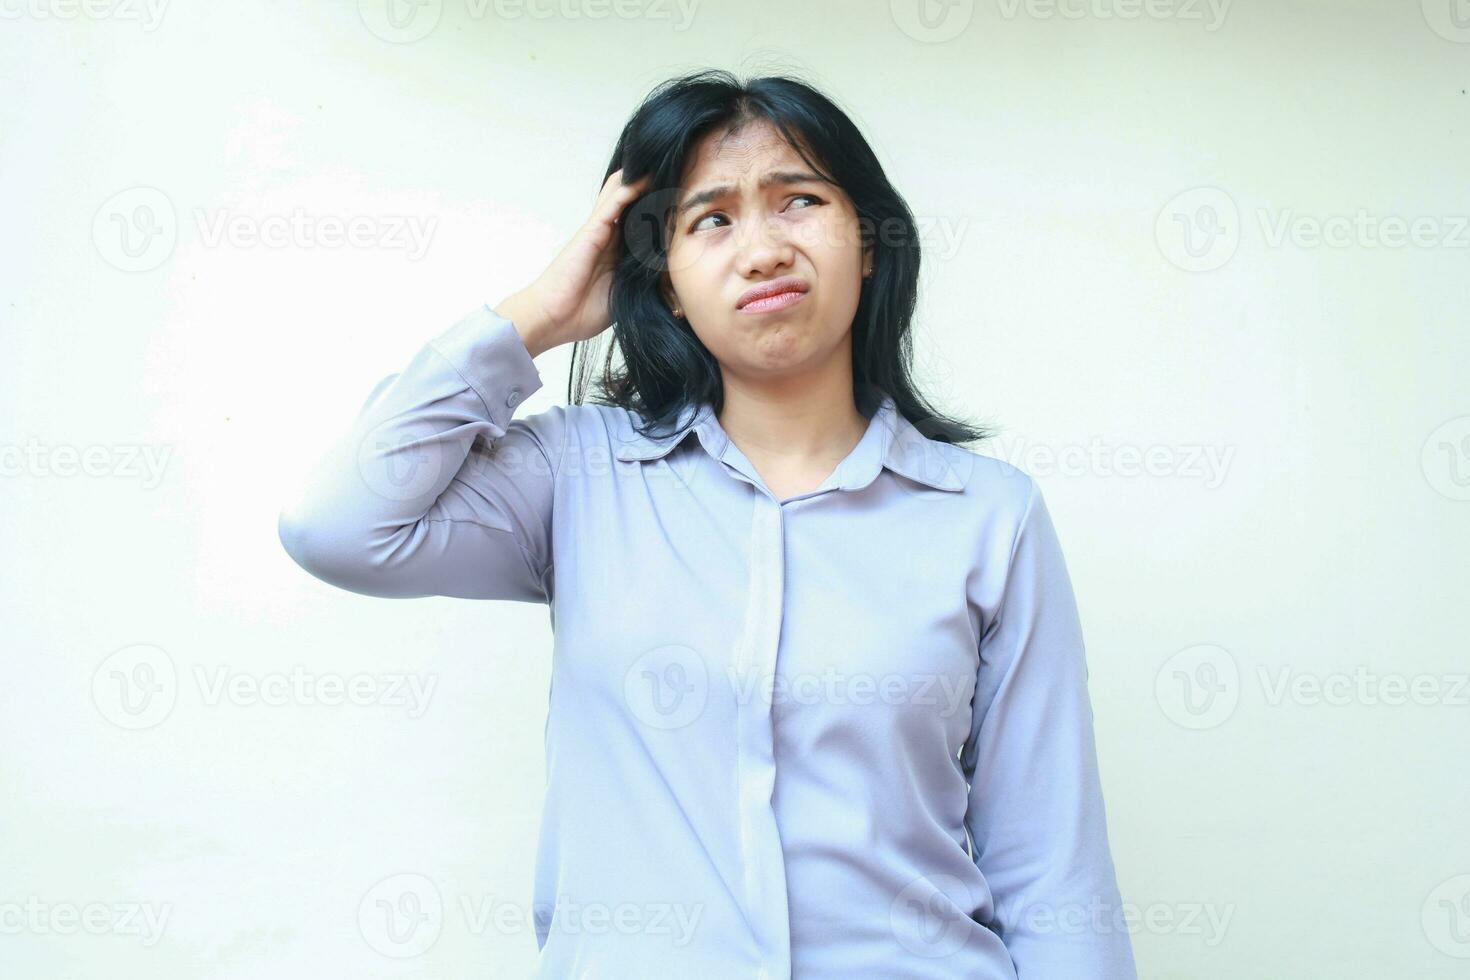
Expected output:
{"points": [[616, 196]]}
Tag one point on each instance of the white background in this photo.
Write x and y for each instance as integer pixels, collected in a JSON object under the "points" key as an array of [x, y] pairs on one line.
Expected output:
{"points": [[1069, 163]]}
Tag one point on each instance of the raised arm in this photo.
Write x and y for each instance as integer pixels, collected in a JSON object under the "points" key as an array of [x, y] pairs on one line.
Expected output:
{"points": [[409, 503], [1036, 807], [436, 489]]}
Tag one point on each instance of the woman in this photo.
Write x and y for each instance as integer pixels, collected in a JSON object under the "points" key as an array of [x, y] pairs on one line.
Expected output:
{"points": [[819, 696]]}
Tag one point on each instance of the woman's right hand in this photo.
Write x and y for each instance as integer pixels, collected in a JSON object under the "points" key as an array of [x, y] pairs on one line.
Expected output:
{"points": [[569, 300]]}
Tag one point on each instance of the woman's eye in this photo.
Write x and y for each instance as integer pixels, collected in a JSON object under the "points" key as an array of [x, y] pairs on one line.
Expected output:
{"points": [[716, 214]]}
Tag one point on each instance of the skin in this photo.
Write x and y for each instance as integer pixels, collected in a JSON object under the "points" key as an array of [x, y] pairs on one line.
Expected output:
{"points": [[787, 374]]}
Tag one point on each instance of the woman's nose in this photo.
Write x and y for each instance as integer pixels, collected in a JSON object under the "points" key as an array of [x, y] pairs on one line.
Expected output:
{"points": [[764, 245]]}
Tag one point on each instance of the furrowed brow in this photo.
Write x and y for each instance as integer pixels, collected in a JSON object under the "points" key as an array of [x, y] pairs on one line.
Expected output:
{"points": [[781, 177]]}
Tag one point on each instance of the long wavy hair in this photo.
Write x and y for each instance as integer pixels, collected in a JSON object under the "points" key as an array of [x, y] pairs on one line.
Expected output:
{"points": [[665, 368]]}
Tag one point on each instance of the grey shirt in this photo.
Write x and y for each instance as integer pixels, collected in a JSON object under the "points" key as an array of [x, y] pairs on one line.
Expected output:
{"points": [[845, 734]]}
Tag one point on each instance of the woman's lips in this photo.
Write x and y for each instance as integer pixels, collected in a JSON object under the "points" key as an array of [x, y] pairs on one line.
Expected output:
{"points": [[771, 304]]}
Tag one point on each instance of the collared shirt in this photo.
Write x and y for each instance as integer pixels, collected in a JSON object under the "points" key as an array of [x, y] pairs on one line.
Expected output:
{"points": [[845, 734]]}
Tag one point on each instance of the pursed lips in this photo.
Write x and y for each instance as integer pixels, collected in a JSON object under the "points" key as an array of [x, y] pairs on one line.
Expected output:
{"points": [[783, 296], [774, 301]]}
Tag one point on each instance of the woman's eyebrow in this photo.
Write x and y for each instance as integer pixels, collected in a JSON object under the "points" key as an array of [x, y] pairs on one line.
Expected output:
{"points": [[782, 177]]}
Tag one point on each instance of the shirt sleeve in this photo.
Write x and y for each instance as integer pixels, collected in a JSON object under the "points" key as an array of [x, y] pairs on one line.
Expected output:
{"points": [[1035, 809], [436, 489]]}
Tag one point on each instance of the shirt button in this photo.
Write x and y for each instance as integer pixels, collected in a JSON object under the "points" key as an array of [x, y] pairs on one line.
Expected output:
{"points": [[514, 397]]}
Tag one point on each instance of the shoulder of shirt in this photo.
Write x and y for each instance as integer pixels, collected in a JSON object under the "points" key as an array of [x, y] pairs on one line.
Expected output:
{"points": [[601, 425], [591, 426], [990, 477], [998, 484]]}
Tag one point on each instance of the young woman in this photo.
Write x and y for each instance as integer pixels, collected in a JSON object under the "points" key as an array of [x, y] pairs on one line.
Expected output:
{"points": [[819, 698]]}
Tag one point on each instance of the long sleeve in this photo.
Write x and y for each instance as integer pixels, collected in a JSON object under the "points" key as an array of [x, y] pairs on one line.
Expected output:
{"points": [[1036, 810], [436, 489]]}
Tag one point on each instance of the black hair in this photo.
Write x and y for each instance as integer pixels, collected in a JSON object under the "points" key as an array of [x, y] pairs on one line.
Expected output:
{"points": [[665, 366]]}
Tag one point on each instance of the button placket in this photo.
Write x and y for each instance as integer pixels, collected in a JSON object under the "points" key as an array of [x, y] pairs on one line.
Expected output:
{"points": [[755, 659]]}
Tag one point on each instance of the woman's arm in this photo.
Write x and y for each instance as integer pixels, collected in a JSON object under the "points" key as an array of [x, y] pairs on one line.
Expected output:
{"points": [[1036, 807], [408, 504]]}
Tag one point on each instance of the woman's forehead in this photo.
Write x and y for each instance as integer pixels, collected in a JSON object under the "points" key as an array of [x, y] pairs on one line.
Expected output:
{"points": [[722, 157]]}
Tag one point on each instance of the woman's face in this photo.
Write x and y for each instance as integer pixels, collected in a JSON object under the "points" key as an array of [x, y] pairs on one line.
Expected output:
{"points": [[747, 234]]}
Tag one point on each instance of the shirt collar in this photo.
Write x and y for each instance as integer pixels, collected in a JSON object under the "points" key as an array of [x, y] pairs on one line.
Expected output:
{"points": [[890, 440]]}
